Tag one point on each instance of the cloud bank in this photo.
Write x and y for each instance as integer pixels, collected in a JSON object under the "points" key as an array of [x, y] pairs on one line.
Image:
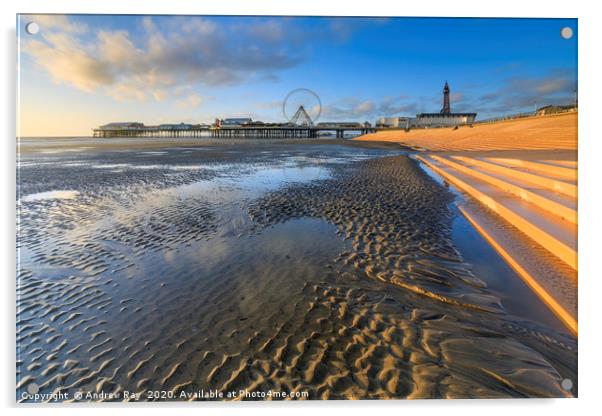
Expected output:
{"points": [[166, 58]]}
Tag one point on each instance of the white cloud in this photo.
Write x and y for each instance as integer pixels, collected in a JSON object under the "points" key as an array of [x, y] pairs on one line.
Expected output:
{"points": [[456, 96], [67, 62], [50, 22], [159, 95], [192, 100], [270, 31]]}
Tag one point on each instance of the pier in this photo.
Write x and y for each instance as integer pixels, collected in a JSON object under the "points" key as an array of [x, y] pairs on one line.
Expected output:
{"points": [[263, 132]]}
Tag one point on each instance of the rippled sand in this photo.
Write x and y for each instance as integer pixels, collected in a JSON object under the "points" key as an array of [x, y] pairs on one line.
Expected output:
{"points": [[326, 270]]}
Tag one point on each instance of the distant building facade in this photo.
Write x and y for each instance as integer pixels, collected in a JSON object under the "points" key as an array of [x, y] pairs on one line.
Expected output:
{"points": [[339, 124], [555, 109], [396, 122], [444, 120], [233, 122], [180, 126], [123, 125]]}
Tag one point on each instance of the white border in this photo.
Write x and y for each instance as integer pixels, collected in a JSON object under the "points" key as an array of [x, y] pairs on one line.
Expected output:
{"points": [[590, 207]]}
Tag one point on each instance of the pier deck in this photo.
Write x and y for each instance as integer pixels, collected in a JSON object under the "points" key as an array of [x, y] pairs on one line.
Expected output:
{"points": [[292, 132]]}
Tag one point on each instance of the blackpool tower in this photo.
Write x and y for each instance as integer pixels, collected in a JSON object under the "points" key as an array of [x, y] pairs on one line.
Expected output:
{"points": [[446, 108]]}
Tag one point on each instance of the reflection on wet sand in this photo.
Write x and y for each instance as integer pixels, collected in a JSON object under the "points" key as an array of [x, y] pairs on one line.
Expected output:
{"points": [[328, 270]]}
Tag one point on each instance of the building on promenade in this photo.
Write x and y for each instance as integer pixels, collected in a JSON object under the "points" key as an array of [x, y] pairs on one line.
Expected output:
{"points": [[555, 109], [444, 120], [396, 122]]}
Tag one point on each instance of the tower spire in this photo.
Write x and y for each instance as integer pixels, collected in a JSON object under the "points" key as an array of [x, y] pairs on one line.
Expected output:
{"points": [[446, 107]]}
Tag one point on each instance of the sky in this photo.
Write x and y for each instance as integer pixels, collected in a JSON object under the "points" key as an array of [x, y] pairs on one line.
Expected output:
{"points": [[82, 71]]}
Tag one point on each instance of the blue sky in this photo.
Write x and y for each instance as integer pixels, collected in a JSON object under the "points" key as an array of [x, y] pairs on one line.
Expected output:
{"points": [[80, 71]]}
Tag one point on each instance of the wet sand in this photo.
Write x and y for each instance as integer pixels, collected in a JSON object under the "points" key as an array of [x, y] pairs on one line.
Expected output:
{"points": [[320, 268]]}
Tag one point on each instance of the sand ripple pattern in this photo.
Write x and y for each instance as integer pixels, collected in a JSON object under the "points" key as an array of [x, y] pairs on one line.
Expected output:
{"points": [[79, 256], [132, 287], [398, 223]]}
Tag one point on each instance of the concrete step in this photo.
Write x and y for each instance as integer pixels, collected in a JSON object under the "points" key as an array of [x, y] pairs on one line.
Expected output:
{"points": [[560, 186], [565, 163], [554, 171], [557, 236], [545, 285], [555, 203]]}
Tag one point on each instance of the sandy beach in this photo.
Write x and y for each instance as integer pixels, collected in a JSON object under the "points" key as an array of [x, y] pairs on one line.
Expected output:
{"points": [[324, 269], [550, 133]]}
